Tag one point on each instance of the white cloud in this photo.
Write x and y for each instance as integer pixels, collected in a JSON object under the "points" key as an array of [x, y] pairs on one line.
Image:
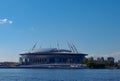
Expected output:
{"points": [[10, 22], [5, 21]]}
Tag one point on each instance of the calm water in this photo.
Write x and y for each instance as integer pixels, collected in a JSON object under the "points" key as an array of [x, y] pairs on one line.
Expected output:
{"points": [[59, 75]]}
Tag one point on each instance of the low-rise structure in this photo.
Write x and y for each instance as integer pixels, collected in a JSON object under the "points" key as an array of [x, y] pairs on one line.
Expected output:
{"points": [[100, 59]]}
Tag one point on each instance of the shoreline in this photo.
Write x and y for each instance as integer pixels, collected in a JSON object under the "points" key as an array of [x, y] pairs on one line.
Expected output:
{"points": [[54, 68]]}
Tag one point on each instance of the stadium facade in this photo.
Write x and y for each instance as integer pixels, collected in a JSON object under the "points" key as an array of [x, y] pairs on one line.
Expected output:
{"points": [[51, 56]]}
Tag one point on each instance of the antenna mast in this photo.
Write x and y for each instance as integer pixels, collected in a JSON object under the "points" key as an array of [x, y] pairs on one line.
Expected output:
{"points": [[71, 47], [58, 46], [75, 48], [34, 46]]}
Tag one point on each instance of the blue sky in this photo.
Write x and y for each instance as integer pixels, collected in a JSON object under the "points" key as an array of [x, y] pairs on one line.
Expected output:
{"points": [[92, 25]]}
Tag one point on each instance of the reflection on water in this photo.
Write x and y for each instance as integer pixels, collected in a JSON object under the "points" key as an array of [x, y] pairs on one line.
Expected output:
{"points": [[59, 75]]}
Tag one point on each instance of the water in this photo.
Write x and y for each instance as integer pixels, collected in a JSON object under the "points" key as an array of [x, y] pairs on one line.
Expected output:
{"points": [[59, 75]]}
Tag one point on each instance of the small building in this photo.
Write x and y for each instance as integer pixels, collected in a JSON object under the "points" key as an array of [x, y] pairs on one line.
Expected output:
{"points": [[90, 59], [119, 63], [51, 56], [110, 59], [100, 59]]}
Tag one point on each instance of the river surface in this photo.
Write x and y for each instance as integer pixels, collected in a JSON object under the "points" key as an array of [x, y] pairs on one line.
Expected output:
{"points": [[59, 75]]}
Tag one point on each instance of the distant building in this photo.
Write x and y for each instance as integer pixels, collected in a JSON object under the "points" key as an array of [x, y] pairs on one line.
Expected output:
{"points": [[119, 63], [90, 59], [110, 59], [100, 59], [51, 56]]}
